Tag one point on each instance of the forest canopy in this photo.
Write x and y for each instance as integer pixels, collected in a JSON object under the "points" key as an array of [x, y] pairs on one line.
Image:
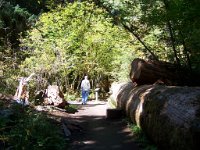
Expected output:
{"points": [[168, 29], [73, 41], [63, 40]]}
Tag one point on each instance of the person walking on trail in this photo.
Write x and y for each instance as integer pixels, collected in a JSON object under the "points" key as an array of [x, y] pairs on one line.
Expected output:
{"points": [[85, 88]]}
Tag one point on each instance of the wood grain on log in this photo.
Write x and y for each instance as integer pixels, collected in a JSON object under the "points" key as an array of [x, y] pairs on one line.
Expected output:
{"points": [[114, 113]]}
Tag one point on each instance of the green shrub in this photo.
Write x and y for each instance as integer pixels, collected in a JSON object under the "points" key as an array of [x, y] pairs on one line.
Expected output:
{"points": [[71, 108], [141, 138], [29, 129], [70, 96]]}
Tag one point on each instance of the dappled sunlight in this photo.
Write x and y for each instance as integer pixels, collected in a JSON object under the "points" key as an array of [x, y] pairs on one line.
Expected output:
{"points": [[126, 131], [99, 129], [139, 109], [89, 142], [100, 132]]}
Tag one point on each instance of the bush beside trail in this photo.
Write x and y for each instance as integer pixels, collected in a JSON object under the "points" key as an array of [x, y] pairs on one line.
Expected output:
{"points": [[24, 128]]}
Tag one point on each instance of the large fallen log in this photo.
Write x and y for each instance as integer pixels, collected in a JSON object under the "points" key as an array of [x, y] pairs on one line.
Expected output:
{"points": [[148, 72], [169, 115]]}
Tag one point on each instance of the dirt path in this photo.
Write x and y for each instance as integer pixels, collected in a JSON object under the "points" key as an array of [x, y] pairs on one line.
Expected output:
{"points": [[98, 133]]}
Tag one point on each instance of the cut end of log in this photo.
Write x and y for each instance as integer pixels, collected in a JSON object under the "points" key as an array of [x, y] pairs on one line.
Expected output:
{"points": [[114, 113]]}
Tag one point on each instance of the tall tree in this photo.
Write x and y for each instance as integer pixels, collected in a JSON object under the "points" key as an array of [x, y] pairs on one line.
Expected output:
{"points": [[172, 25], [75, 40]]}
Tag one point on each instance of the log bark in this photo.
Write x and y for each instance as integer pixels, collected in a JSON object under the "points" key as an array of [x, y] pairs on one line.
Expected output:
{"points": [[169, 115], [148, 72]]}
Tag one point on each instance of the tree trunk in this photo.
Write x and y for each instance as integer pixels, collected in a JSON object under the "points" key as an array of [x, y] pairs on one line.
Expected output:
{"points": [[131, 30], [169, 116], [172, 38], [186, 52]]}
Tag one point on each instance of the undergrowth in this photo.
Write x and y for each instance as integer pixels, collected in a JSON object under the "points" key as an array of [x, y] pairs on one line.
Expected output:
{"points": [[141, 139], [71, 108], [22, 128]]}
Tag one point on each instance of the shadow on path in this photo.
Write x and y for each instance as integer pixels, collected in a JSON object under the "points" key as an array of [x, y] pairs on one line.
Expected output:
{"points": [[98, 133]]}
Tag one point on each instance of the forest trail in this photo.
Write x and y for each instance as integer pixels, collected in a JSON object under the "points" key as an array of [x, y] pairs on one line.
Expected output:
{"points": [[99, 133]]}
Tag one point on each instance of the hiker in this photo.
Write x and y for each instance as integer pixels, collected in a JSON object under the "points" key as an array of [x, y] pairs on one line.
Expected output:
{"points": [[85, 88]]}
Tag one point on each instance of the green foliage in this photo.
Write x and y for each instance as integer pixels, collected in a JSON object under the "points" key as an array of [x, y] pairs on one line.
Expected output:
{"points": [[27, 129], [179, 16], [167, 28], [13, 20], [141, 138], [71, 108], [136, 130], [71, 96], [33, 6], [75, 40]]}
